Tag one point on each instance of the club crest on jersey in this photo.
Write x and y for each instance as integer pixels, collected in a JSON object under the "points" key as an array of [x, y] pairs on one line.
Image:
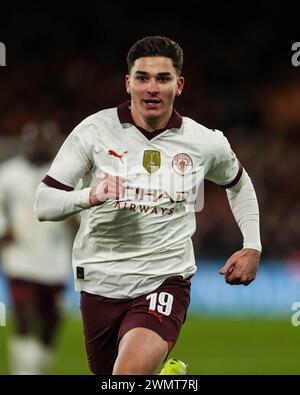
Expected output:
{"points": [[182, 164], [151, 160]]}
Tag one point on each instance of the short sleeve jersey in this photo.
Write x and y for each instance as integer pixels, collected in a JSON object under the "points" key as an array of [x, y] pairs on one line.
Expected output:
{"points": [[128, 247]]}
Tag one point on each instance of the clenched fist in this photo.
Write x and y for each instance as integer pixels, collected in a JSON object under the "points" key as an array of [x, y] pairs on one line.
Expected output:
{"points": [[241, 267], [109, 188]]}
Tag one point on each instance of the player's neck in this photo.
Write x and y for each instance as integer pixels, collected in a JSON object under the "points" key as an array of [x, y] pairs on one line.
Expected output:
{"points": [[153, 124]]}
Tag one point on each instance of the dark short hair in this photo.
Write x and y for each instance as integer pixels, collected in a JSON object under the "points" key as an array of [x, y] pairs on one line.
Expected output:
{"points": [[156, 46]]}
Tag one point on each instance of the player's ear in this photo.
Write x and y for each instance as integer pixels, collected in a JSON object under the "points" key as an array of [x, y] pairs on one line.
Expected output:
{"points": [[180, 85], [127, 83]]}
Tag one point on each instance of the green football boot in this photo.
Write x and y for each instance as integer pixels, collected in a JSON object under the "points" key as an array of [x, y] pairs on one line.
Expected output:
{"points": [[175, 367]]}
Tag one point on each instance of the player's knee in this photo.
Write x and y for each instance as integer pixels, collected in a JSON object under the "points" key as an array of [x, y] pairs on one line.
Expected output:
{"points": [[137, 362], [134, 366]]}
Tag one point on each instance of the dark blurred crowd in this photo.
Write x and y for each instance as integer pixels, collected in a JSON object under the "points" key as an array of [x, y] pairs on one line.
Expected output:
{"points": [[239, 79]]}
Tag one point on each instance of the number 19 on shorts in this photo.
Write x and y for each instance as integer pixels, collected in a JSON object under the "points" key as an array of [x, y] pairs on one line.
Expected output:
{"points": [[161, 302]]}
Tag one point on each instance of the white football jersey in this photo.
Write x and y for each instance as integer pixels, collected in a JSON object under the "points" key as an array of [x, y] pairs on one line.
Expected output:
{"points": [[128, 247], [40, 251]]}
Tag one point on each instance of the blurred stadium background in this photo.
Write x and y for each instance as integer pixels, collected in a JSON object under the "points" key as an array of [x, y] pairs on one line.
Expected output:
{"points": [[66, 64]]}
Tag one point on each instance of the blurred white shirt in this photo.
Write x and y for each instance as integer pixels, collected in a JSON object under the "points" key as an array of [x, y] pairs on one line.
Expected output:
{"points": [[40, 251]]}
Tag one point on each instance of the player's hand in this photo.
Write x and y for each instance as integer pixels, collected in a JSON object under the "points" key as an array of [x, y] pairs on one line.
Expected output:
{"points": [[241, 267], [109, 188]]}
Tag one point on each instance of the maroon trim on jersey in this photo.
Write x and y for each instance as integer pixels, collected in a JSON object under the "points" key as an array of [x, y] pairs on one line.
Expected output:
{"points": [[236, 179], [51, 182], [124, 115]]}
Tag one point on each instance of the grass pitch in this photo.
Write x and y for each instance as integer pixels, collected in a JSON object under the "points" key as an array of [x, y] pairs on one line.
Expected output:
{"points": [[208, 345]]}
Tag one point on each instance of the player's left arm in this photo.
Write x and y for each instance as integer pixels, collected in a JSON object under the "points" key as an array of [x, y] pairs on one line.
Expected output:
{"points": [[225, 170], [242, 266]]}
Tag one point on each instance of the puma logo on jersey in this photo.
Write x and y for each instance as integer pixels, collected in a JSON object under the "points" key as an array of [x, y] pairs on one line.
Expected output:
{"points": [[113, 153]]}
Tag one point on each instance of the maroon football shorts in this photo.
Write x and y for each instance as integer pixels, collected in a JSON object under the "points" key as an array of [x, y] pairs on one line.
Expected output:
{"points": [[36, 308], [106, 320]]}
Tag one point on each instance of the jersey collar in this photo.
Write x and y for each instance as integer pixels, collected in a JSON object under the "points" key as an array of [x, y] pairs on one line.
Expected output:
{"points": [[124, 115]]}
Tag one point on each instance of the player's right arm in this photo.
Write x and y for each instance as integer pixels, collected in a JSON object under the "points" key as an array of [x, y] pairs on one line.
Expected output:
{"points": [[52, 204], [55, 198]]}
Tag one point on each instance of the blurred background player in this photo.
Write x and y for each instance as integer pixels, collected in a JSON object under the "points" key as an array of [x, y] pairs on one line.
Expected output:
{"points": [[35, 257]]}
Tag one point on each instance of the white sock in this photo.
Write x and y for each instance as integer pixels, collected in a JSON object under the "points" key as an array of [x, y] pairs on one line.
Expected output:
{"points": [[28, 356]]}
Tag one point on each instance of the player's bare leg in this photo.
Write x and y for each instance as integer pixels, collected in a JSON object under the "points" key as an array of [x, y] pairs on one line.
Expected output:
{"points": [[141, 351]]}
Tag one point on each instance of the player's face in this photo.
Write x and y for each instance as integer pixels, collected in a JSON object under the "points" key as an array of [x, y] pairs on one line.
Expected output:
{"points": [[153, 85]]}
